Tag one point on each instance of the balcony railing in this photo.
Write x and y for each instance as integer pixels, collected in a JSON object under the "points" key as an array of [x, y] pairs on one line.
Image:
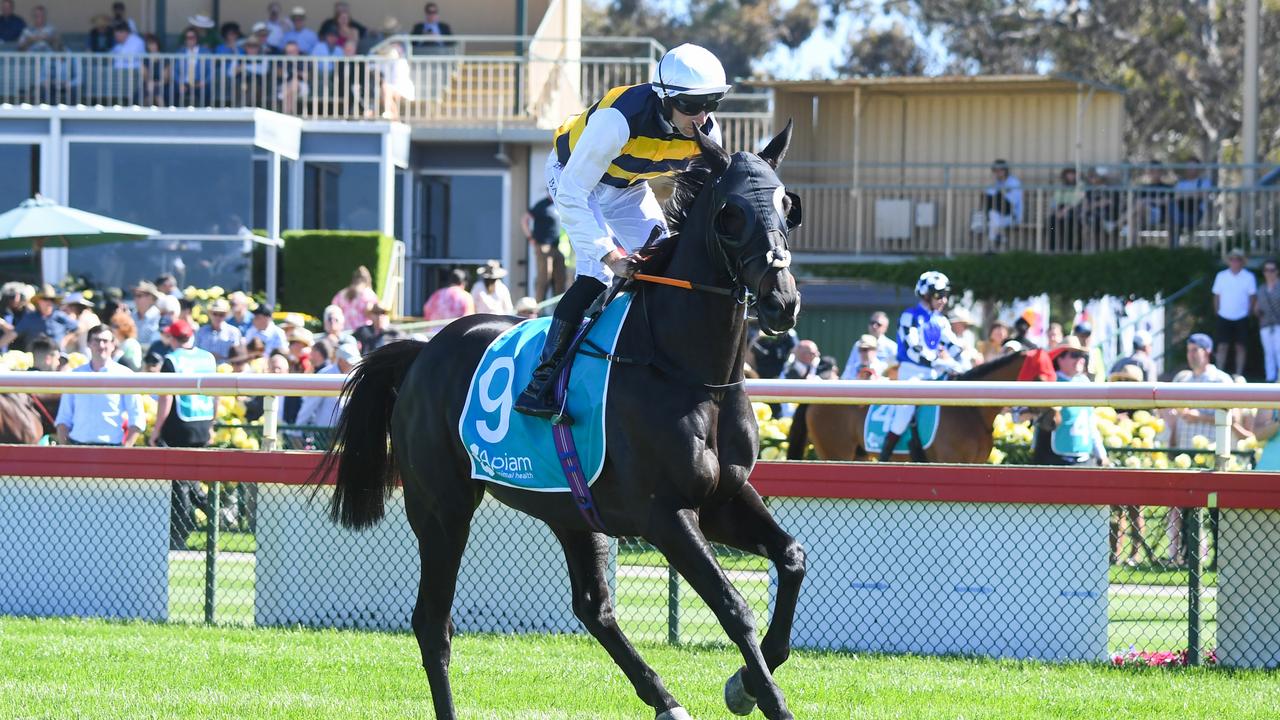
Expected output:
{"points": [[927, 209], [434, 86]]}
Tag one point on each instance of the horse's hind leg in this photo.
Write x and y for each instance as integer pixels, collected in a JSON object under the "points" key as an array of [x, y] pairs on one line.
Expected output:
{"points": [[746, 524], [587, 555], [680, 539], [442, 537]]}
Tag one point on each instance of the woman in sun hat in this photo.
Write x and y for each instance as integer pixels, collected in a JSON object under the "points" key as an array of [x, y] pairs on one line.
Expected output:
{"points": [[489, 292]]}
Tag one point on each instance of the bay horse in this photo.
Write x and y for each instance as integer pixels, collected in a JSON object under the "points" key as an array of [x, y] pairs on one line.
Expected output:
{"points": [[681, 436], [23, 421], [963, 435]]}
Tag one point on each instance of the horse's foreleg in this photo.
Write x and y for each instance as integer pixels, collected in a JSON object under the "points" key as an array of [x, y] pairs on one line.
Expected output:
{"points": [[746, 524], [677, 535], [587, 555], [442, 538]]}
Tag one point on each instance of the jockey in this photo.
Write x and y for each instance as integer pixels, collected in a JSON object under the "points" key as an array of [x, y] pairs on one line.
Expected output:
{"points": [[927, 348], [596, 176]]}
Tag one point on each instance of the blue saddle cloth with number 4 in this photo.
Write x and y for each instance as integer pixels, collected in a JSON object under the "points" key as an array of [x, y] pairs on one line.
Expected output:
{"points": [[510, 448], [877, 424]]}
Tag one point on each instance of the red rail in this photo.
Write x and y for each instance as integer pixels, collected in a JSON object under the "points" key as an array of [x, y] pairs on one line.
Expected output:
{"points": [[863, 481]]}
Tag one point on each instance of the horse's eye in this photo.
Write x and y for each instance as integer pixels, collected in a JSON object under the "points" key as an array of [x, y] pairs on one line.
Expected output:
{"points": [[730, 221]]}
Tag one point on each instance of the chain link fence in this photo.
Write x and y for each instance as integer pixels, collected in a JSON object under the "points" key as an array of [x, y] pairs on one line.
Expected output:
{"points": [[1120, 584]]}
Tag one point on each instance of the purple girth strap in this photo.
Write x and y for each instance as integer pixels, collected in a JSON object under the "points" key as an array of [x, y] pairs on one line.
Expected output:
{"points": [[567, 451]]}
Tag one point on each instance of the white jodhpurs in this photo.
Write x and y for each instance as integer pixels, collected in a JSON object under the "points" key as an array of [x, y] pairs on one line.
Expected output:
{"points": [[902, 413], [630, 214]]}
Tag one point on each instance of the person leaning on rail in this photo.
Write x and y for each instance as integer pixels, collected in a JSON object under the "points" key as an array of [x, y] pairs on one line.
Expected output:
{"points": [[1068, 435], [100, 419]]}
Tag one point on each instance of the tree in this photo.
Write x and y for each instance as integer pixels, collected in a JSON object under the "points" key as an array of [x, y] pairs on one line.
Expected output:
{"points": [[881, 53], [738, 31]]}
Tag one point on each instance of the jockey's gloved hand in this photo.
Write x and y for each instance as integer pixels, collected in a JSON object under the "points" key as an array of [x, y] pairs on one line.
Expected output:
{"points": [[621, 265]]}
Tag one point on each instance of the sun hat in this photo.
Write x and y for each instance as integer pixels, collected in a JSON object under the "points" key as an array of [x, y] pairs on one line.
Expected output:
{"points": [[219, 306], [204, 22], [491, 270], [868, 342]]}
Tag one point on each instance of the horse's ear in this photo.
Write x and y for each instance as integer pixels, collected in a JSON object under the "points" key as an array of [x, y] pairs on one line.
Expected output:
{"points": [[777, 147], [715, 156]]}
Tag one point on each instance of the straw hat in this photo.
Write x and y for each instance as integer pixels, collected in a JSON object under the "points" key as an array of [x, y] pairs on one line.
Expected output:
{"points": [[219, 306], [1126, 373], [868, 342], [301, 335], [961, 315], [47, 292], [204, 22], [491, 270]]}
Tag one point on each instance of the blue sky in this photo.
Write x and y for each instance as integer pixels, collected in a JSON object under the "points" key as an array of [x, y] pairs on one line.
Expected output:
{"points": [[816, 56]]}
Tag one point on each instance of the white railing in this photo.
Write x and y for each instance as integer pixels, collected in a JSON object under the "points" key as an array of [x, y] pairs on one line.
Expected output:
{"points": [[831, 392]]}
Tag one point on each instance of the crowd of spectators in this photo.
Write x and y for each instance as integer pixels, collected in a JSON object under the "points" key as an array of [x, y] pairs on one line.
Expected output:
{"points": [[227, 63], [1079, 212]]}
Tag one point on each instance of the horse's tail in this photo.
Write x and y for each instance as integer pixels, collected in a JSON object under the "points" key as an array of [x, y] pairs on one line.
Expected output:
{"points": [[359, 448], [798, 437]]}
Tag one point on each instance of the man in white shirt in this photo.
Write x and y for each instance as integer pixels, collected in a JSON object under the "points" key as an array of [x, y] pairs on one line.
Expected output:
{"points": [[128, 49], [323, 411], [273, 338], [301, 35], [106, 419], [1234, 292], [276, 27]]}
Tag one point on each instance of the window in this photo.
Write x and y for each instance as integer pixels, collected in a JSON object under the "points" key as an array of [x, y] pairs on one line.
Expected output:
{"points": [[340, 196], [177, 189], [21, 177]]}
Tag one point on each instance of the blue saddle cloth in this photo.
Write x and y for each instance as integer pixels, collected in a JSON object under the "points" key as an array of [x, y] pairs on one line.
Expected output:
{"points": [[517, 450], [876, 426]]}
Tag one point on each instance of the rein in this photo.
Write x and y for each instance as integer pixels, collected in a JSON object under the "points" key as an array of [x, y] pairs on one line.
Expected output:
{"points": [[686, 285]]}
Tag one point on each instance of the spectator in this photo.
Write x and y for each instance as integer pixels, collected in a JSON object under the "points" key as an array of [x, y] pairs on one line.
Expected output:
{"points": [[431, 25], [128, 349], [260, 32], [323, 411], [397, 82], [120, 14], [1083, 333], [541, 225], [186, 311], [157, 73], [11, 26], [997, 336], [277, 27], [1187, 423], [204, 26], [771, 353], [1101, 207], [47, 320], [1140, 359], [1151, 205], [886, 347], [1265, 426], [190, 87], [1022, 333], [304, 37], [219, 338], [301, 342], [146, 315], [1001, 203], [1190, 199], [81, 308], [348, 29], [451, 301], [129, 48], [100, 419], [276, 364], [264, 329], [870, 366], [962, 327], [335, 325], [1234, 299], [240, 315], [1266, 306], [803, 364], [45, 356], [378, 333], [249, 76], [40, 35], [15, 300], [230, 45], [490, 294], [1055, 335], [101, 35], [293, 79], [169, 308], [1063, 224], [1068, 435], [357, 299], [527, 308], [185, 421]]}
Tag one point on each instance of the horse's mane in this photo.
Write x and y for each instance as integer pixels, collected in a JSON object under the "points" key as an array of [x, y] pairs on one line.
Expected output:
{"points": [[987, 368], [685, 188]]}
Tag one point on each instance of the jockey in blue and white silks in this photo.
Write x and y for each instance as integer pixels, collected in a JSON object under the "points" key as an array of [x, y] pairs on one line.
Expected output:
{"points": [[927, 348]]}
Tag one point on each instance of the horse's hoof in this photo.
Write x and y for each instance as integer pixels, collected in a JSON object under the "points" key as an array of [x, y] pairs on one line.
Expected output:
{"points": [[736, 697], [675, 713]]}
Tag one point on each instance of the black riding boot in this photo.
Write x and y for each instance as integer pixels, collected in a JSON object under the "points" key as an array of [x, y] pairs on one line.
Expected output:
{"points": [[886, 450], [538, 399]]}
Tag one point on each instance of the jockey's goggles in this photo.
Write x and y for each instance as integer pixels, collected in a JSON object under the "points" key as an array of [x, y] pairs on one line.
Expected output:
{"points": [[696, 104]]}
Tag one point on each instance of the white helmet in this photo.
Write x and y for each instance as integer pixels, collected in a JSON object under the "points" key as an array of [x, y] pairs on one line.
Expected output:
{"points": [[932, 281], [689, 70]]}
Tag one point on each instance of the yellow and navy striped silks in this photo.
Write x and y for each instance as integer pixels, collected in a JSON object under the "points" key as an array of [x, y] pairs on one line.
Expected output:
{"points": [[655, 147]]}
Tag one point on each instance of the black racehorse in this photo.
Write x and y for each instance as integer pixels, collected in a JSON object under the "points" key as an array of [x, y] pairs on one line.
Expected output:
{"points": [[681, 436]]}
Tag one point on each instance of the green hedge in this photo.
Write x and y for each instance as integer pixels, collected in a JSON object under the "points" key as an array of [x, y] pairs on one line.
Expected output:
{"points": [[1140, 272], [319, 263]]}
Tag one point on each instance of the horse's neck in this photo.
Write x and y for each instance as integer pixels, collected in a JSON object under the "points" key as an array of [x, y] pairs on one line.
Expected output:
{"points": [[1008, 373], [702, 334]]}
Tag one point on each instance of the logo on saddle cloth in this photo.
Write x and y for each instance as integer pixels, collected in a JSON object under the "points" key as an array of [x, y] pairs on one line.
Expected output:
{"points": [[879, 417], [509, 448]]}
